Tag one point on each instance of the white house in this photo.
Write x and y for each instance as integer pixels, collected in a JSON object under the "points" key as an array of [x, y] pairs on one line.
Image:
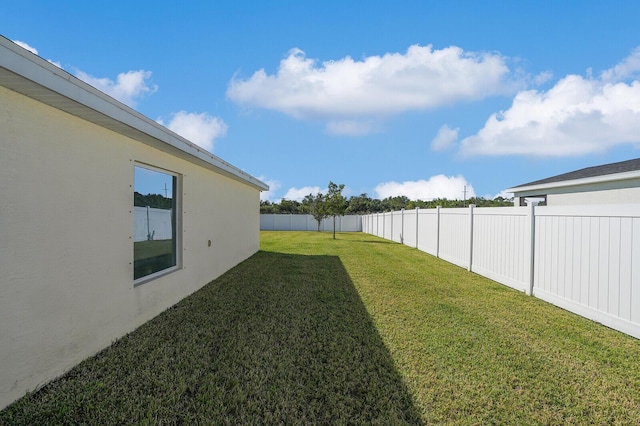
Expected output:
{"points": [[615, 183], [72, 276]]}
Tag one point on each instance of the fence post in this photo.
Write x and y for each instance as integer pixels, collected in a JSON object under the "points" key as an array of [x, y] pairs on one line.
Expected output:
{"points": [[402, 227], [417, 221], [532, 245], [471, 206], [438, 231]]}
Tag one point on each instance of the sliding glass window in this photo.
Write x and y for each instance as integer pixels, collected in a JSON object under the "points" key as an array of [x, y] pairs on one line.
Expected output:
{"points": [[154, 221]]}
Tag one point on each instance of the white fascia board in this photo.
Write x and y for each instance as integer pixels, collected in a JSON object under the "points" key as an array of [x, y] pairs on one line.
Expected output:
{"points": [[575, 182], [60, 89]]}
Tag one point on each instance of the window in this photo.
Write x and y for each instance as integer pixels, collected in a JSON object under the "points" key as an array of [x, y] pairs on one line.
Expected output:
{"points": [[154, 221]]}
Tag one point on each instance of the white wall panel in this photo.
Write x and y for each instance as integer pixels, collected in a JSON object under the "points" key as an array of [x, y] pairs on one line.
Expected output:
{"points": [[82, 295]]}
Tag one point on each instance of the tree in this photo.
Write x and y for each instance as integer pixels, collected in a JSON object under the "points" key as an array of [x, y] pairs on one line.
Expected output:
{"points": [[288, 207], [315, 206], [335, 203], [359, 204]]}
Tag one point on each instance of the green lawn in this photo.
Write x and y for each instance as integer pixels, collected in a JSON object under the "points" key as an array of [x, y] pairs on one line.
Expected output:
{"points": [[353, 330], [152, 256]]}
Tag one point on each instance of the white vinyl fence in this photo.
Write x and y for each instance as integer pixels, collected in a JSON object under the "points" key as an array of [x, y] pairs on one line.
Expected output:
{"points": [[585, 259], [151, 224], [306, 222]]}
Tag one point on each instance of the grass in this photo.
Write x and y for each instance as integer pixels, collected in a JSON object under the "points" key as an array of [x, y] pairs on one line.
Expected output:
{"points": [[152, 256], [154, 248], [353, 330]]}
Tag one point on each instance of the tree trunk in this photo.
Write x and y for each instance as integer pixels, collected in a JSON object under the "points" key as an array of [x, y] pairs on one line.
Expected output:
{"points": [[334, 227]]}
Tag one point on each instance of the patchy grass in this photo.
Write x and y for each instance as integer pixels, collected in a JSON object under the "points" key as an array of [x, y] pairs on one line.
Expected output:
{"points": [[152, 256], [353, 330], [146, 249]]}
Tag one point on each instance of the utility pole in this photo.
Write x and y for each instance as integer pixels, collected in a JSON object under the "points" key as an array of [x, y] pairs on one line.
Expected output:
{"points": [[165, 190], [464, 192]]}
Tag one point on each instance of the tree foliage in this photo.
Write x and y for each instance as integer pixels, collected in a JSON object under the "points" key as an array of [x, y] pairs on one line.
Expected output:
{"points": [[363, 204], [335, 203], [315, 206], [155, 201]]}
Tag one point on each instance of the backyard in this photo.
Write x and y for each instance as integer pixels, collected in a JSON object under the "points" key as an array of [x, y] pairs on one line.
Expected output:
{"points": [[353, 330]]}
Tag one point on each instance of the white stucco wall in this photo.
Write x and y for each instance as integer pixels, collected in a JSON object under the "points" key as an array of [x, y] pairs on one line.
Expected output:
{"points": [[66, 239], [611, 196], [608, 189]]}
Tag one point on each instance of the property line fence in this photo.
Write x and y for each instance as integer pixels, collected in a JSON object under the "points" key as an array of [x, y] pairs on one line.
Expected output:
{"points": [[306, 222], [151, 224], [585, 259]]}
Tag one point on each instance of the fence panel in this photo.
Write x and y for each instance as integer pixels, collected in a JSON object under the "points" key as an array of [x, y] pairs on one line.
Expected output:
{"points": [[350, 223], [586, 261], [306, 222], [410, 227], [151, 223], [396, 226], [454, 236], [387, 226], [502, 245], [428, 230]]}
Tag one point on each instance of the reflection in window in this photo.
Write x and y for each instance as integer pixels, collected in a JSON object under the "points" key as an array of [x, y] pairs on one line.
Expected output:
{"points": [[154, 221]]}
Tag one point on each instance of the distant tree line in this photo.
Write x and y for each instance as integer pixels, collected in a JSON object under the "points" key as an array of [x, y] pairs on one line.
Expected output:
{"points": [[363, 204], [155, 201]]}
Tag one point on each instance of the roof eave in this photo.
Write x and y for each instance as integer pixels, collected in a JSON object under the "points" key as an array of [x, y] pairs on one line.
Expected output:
{"points": [[29, 74], [576, 182]]}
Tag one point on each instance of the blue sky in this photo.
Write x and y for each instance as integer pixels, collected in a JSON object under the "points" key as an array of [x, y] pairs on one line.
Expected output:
{"points": [[415, 98]]}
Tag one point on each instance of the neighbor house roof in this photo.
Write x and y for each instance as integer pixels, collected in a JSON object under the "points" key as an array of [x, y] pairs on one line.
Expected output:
{"points": [[32, 76], [622, 170]]}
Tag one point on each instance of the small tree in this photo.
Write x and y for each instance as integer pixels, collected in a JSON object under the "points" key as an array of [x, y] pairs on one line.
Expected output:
{"points": [[315, 205], [335, 203]]}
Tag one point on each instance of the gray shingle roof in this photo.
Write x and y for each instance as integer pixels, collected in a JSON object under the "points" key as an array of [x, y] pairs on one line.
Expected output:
{"points": [[588, 172]]}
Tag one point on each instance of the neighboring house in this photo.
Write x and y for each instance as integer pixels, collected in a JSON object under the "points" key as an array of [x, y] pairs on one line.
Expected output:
{"points": [[79, 265], [615, 183]]}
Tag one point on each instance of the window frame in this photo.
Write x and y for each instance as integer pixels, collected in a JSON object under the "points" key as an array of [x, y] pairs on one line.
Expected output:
{"points": [[176, 223]]}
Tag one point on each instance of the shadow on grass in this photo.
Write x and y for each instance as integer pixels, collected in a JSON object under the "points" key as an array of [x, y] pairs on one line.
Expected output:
{"points": [[278, 339]]}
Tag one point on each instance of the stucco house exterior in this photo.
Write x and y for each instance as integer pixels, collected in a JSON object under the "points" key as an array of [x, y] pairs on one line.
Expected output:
{"points": [[76, 269], [614, 183]]}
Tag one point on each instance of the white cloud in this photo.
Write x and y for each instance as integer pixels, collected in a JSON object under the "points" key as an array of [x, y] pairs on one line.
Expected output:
{"points": [[353, 127], [503, 194], [201, 129], [542, 78], [26, 46], [341, 90], [269, 195], [128, 87], [578, 115], [628, 68], [35, 51], [439, 186], [445, 138], [298, 194]]}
